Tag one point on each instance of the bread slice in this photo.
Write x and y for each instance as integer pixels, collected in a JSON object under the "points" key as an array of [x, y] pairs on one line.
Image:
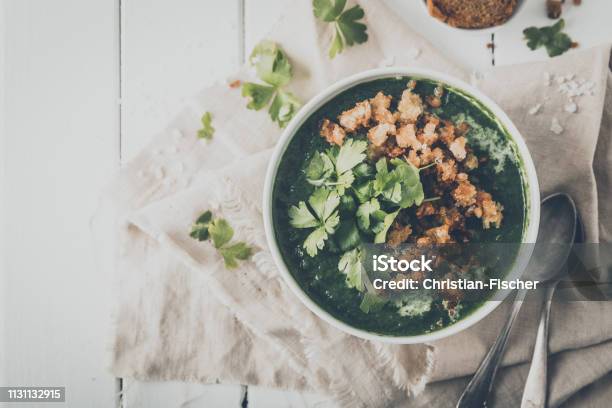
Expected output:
{"points": [[472, 13]]}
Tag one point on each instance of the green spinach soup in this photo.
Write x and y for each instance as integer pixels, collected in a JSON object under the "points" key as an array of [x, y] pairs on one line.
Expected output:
{"points": [[408, 168]]}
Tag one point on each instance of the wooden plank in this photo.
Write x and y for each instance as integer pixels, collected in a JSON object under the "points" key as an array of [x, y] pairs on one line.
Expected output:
{"points": [[60, 146], [3, 198], [588, 24], [260, 397], [179, 394], [259, 18], [170, 51]]}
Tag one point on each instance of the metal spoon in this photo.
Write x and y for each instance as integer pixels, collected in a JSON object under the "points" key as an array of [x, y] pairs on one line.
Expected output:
{"points": [[543, 263], [534, 395]]}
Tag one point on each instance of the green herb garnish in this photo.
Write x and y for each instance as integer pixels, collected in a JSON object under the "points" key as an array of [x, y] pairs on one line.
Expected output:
{"points": [[207, 131], [552, 37], [350, 265], [322, 215], [332, 168], [381, 194], [347, 29], [220, 233], [401, 186], [274, 69]]}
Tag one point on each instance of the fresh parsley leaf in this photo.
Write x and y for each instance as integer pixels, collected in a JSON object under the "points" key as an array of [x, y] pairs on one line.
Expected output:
{"points": [[315, 241], [259, 96], [199, 230], [301, 217], [328, 10], [371, 303], [363, 170], [322, 215], [220, 232], [337, 44], [350, 155], [274, 69], [364, 212], [231, 254], [364, 191], [350, 265], [319, 169], [283, 108], [401, 186], [383, 180], [552, 38], [324, 203], [411, 187], [347, 235], [271, 63], [207, 131], [332, 169], [347, 203], [348, 31], [344, 181], [352, 31], [381, 236]]}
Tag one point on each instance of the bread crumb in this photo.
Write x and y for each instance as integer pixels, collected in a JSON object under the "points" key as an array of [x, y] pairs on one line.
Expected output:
{"points": [[556, 127]]}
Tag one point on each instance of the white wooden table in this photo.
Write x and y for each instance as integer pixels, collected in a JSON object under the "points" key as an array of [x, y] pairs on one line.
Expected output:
{"points": [[86, 84]]}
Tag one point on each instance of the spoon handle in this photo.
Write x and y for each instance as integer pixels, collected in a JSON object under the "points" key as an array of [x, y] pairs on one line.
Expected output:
{"points": [[477, 391], [534, 395]]}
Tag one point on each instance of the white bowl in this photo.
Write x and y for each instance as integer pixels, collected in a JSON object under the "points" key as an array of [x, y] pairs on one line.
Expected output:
{"points": [[530, 181], [477, 31]]}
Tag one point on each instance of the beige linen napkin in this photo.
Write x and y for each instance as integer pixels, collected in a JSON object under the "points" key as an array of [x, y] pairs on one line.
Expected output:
{"points": [[181, 316]]}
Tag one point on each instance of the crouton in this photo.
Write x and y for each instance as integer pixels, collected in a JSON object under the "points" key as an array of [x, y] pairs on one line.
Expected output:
{"points": [[464, 194], [380, 109], [379, 134], [332, 132], [359, 116], [410, 107]]}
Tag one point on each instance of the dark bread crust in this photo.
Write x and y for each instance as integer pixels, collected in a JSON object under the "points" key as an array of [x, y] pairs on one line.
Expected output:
{"points": [[472, 13]]}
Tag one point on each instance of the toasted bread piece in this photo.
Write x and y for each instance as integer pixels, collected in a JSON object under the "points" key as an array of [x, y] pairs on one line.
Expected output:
{"points": [[473, 13]]}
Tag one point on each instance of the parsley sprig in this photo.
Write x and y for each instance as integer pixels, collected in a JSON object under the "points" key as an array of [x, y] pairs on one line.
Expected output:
{"points": [[349, 188], [322, 216], [333, 168], [354, 201], [220, 233], [207, 131], [275, 70], [348, 31], [551, 37], [351, 265]]}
